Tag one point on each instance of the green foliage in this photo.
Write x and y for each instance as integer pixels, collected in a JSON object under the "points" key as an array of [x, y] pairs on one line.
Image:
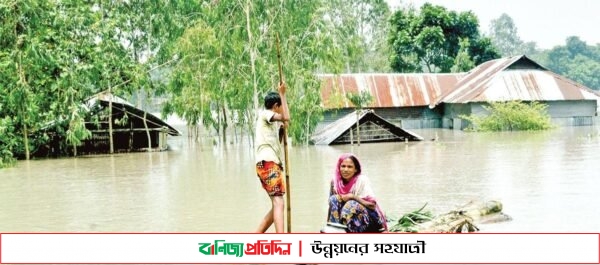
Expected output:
{"points": [[229, 60], [336, 99], [56, 54], [358, 31], [77, 131], [463, 62], [8, 141], [576, 60], [360, 100], [511, 116], [430, 40]]}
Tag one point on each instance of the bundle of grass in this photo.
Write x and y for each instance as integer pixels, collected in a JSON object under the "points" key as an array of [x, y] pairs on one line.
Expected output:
{"points": [[409, 222], [462, 220]]}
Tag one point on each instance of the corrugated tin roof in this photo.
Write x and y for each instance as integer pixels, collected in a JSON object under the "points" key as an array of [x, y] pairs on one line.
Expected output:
{"points": [[514, 78], [511, 78], [388, 90], [336, 129], [105, 96]]}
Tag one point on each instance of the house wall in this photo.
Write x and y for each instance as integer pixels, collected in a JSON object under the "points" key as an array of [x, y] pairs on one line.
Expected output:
{"points": [[562, 113], [122, 142], [572, 108], [452, 111], [556, 109]]}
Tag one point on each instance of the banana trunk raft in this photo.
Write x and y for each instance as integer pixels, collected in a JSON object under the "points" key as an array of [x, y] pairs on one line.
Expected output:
{"points": [[462, 220]]}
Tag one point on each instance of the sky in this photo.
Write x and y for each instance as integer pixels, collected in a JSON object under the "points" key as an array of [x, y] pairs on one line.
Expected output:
{"points": [[545, 22]]}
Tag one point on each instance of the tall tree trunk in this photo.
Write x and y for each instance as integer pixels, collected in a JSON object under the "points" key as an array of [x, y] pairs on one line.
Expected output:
{"points": [[131, 136], [307, 129], [250, 126], [146, 96], [147, 133], [253, 69], [26, 140], [358, 126], [110, 121], [23, 82], [224, 124], [199, 130]]}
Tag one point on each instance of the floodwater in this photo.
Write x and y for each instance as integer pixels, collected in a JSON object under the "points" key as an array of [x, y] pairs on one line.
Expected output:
{"points": [[547, 182]]}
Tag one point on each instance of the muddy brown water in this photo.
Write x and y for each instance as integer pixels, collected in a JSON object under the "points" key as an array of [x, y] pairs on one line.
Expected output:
{"points": [[547, 181]]}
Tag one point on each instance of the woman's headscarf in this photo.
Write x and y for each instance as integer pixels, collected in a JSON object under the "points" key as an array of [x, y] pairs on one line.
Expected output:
{"points": [[338, 181]]}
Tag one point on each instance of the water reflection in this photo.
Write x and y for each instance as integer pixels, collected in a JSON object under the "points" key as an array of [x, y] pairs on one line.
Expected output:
{"points": [[547, 181]]}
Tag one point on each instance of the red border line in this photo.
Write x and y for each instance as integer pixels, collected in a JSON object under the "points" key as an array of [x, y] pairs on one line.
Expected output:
{"points": [[299, 233]]}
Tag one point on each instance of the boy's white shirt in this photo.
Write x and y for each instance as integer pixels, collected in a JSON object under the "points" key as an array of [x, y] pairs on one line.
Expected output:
{"points": [[268, 147]]}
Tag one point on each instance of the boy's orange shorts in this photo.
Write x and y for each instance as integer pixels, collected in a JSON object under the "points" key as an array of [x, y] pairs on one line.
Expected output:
{"points": [[271, 177]]}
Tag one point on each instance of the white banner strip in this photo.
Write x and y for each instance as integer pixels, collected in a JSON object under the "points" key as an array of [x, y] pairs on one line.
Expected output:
{"points": [[199, 248]]}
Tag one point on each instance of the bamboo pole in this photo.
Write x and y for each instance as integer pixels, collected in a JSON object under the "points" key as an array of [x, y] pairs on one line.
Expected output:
{"points": [[285, 152]]}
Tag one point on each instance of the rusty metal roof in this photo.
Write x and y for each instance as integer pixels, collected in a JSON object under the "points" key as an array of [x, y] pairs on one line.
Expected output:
{"points": [[514, 78], [334, 132], [388, 90], [511, 78]]}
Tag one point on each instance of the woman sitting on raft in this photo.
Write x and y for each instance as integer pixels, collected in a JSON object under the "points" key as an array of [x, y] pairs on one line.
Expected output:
{"points": [[352, 201]]}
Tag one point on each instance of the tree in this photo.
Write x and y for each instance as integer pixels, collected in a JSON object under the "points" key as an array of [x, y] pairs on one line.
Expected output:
{"points": [[504, 35], [237, 64], [54, 56], [191, 81], [228, 61], [359, 28], [584, 70], [463, 62], [19, 92], [576, 60], [8, 141], [429, 40], [359, 100]]}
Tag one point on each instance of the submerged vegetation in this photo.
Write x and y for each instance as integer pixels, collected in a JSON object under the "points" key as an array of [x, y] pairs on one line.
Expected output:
{"points": [[511, 116]]}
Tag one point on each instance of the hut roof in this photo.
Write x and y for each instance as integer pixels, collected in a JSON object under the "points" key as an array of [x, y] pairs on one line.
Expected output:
{"points": [[388, 90], [123, 105], [514, 78], [373, 129]]}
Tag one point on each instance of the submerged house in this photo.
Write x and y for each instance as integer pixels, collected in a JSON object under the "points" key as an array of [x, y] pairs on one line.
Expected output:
{"points": [[518, 78], [413, 101], [402, 99], [132, 128], [371, 129]]}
